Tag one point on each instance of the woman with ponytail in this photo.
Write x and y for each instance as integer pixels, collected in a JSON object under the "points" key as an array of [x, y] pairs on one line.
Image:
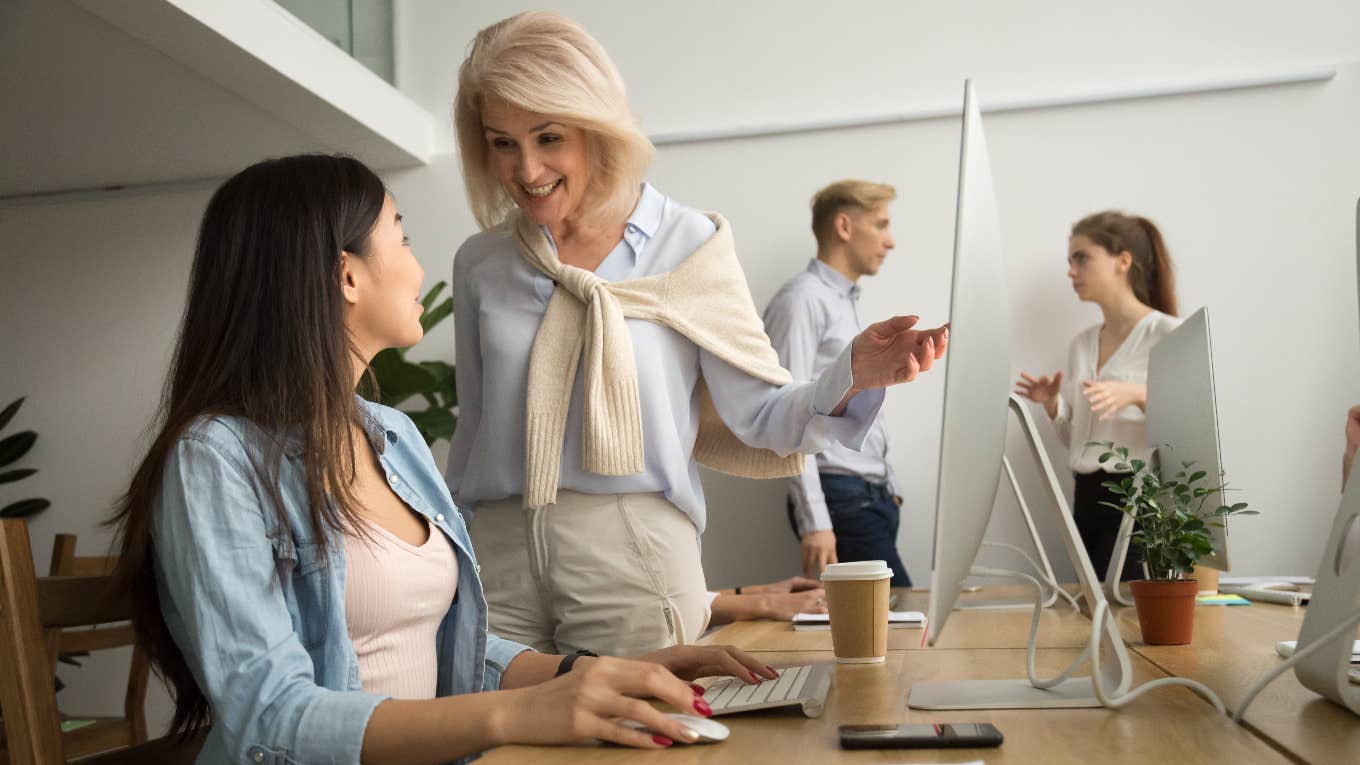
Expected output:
{"points": [[1120, 263]]}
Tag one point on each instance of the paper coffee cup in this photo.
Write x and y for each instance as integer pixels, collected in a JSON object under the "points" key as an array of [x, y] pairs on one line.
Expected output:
{"points": [[857, 600]]}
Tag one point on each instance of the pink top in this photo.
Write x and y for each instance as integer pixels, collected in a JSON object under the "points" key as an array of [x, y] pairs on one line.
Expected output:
{"points": [[396, 595]]}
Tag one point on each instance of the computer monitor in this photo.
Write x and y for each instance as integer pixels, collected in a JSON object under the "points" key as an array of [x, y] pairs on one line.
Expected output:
{"points": [[972, 444], [1182, 426], [1182, 414], [1336, 592], [977, 375]]}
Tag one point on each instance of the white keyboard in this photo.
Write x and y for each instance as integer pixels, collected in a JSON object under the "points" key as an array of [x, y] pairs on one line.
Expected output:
{"points": [[805, 686]]}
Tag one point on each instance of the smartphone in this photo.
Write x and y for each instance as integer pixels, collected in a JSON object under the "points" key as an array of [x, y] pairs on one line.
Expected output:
{"points": [[938, 736]]}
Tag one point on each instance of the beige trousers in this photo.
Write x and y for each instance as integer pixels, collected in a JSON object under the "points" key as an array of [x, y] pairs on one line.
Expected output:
{"points": [[618, 574]]}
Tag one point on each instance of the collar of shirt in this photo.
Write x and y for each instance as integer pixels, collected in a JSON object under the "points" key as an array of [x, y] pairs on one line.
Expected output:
{"points": [[379, 435], [834, 279], [642, 224]]}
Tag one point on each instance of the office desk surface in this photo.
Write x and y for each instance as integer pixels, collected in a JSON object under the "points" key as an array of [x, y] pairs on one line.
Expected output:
{"points": [[1059, 627], [1172, 725], [1233, 646]]}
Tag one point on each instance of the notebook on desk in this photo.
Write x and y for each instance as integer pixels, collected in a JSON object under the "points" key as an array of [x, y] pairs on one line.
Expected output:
{"points": [[822, 622], [1286, 649]]}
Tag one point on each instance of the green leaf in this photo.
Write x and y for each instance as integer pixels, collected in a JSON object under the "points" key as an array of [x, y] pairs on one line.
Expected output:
{"points": [[432, 317], [443, 375], [24, 508], [15, 475], [1138, 465], [1104, 458], [8, 414], [1196, 476], [399, 379], [433, 295], [15, 446], [434, 424]]}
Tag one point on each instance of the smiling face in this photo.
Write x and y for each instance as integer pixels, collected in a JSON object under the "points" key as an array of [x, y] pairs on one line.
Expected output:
{"points": [[1096, 274], [382, 288], [870, 238], [541, 163]]}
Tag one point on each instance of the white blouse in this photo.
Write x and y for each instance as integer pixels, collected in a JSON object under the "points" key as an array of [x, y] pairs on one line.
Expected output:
{"points": [[1075, 422]]}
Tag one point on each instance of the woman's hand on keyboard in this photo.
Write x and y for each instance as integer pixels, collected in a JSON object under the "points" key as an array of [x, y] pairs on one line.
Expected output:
{"points": [[695, 661], [584, 703]]}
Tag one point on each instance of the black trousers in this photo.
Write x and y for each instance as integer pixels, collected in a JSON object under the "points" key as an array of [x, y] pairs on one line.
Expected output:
{"points": [[1099, 525]]}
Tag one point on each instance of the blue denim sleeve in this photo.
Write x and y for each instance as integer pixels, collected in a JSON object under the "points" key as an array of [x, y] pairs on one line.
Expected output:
{"points": [[499, 653], [223, 602]]}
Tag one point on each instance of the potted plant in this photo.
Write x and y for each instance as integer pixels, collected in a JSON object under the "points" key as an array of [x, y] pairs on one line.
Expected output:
{"points": [[395, 379], [1172, 533], [12, 448]]}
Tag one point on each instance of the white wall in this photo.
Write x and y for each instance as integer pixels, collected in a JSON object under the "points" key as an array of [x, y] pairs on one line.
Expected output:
{"points": [[1239, 181], [1254, 189]]}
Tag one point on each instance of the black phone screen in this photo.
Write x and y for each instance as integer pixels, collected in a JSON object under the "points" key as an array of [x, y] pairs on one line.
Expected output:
{"points": [[919, 736]]}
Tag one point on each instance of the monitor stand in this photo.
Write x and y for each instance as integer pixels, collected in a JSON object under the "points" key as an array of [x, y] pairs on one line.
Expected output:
{"points": [[1045, 568], [1022, 693], [1336, 598]]}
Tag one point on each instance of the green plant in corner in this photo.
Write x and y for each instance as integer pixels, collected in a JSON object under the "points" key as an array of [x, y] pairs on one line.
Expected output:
{"points": [[395, 380], [1172, 522], [12, 449]]}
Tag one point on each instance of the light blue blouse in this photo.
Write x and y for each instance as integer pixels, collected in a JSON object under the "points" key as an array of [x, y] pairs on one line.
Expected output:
{"points": [[498, 302]]}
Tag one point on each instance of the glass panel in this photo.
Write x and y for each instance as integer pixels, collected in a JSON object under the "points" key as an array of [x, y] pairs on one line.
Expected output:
{"points": [[361, 28]]}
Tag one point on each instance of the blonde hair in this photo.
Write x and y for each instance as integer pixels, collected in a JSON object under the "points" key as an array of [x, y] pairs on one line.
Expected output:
{"points": [[834, 199], [545, 63]]}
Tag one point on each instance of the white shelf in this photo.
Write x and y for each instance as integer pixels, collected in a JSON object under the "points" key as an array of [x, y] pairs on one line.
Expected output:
{"points": [[161, 92]]}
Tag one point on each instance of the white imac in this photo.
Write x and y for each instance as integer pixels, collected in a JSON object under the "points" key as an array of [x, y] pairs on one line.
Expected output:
{"points": [[1182, 426], [972, 444], [1328, 630]]}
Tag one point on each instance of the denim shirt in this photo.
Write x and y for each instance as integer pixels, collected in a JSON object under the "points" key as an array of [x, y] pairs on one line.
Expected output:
{"points": [[258, 609]]}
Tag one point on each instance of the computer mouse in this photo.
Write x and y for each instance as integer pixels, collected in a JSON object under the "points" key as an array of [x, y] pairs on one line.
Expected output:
{"points": [[710, 731]]}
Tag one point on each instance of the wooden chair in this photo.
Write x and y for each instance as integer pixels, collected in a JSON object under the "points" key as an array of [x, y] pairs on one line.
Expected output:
{"points": [[131, 728], [35, 616]]}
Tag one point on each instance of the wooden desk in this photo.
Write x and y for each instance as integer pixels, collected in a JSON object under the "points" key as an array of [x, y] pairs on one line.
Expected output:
{"points": [[1172, 726], [1233, 646], [1059, 627]]}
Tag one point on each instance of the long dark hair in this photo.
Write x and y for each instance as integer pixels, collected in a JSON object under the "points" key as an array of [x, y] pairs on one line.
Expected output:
{"points": [[1151, 276], [262, 338]]}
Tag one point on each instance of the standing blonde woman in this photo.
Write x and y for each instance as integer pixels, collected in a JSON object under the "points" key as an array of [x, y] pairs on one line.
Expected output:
{"points": [[607, 345], [1120, 263]]}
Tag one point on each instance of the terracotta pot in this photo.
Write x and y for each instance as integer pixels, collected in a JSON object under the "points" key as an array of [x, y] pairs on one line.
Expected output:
{"points": [[1166, 610], [1208, 580]]}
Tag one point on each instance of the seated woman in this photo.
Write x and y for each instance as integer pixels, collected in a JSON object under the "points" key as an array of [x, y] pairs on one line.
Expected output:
{"points": [[777, 600], [299, 572]]}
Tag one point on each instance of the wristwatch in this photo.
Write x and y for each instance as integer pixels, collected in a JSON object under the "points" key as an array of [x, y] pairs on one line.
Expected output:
{"points": [[567, 661]]}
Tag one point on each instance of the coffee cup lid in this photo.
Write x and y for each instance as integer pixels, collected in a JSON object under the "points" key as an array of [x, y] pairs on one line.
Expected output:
{"points": [[863, 569]]}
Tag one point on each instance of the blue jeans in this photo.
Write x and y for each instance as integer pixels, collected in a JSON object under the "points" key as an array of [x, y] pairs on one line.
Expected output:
{"points": [[864, 517]]}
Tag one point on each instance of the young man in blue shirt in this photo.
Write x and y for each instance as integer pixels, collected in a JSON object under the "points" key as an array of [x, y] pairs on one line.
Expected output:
{"points": [[844, 506]]}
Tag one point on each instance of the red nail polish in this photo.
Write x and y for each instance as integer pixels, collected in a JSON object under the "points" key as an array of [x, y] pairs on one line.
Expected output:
{"points": [[771, 670], [662, 740], [699, 690], [753, 677], [702, 707]]}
